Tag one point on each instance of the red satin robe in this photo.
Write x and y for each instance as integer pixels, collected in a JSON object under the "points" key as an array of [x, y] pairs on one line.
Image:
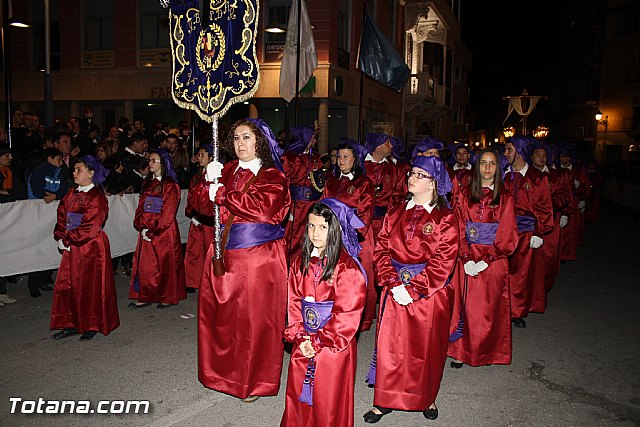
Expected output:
{"points": [[571, 235], [412, 340], [200, 236], [358, 194], [242, 313], [297, 169], [460, 179], [335, 344], [84, 295], [159, 263], [385, 175], [560, 189], [531, 197], [486, 338]]}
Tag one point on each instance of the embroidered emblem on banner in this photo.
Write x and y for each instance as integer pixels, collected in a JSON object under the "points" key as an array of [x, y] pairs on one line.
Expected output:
{"points": [[311, 317], [351, 189], [306, 193], [428, 228], [214, 56], [473, 233]]}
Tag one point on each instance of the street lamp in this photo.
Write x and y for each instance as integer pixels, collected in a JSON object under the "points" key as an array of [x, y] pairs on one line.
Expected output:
{"points": [[601, 122]]}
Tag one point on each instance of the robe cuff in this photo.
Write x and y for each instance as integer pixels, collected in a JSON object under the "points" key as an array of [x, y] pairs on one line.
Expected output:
{"points": [[414, 294], [221, 196], [316, 343], [465, 257], [488, 258]]}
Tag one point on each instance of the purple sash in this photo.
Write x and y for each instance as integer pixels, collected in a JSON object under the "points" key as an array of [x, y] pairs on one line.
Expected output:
{"points": [[73, 220], [379, 211], [406, 272], [481, 233], [525, 223], [299, 192], [247, 234], [153, 204], [316, 314]]}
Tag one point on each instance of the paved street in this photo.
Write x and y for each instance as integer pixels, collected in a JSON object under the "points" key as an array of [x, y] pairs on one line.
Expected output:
{"points": [[573, 366]]}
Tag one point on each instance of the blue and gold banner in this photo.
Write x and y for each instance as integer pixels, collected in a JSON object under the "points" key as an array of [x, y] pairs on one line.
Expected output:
{"points": [[214, 65]]}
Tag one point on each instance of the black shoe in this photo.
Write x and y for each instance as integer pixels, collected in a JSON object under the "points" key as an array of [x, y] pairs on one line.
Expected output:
{"points": [[430, 414], [457, 365], [372, 418], [36, 293], [191, 290], [88, 335], [136, 305], [64, 333], [161, 305], [46, 288], [519, 322]]}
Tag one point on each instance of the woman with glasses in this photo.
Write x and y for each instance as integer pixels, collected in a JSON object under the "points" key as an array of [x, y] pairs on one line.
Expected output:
{"points": [[415, 256], [352, 187], [481, 323], [157, 275]]}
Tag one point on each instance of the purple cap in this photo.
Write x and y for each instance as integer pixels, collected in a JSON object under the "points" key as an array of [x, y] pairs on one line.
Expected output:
{"points": [[427, 143], [434, 166], [398, 147], [208, 148], [300, 139], [276, 150], [99, 172], [521, 144], [167, 162], [374, 140], [349, 221]]}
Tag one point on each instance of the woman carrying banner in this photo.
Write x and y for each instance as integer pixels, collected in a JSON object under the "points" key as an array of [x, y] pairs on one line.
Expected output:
{"points": [[326, 296], [481, 323], [353, 188], [242, 310], [158, 270], [201, 230], [84, 296], [415, 256]]}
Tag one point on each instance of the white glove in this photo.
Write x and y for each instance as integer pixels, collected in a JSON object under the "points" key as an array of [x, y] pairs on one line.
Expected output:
{"points": [[564, 220], [401, 295], [195, 222], [535, 242], [582, 205], [144, 235], [214, 170], [576, 183], [470, 268], [481, 266], [62, 247], [213, 189]]}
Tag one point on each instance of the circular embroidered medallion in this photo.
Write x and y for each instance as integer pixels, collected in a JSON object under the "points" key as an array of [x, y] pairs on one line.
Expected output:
{"points": [[351, 189], [311, 317], [428, 228]]}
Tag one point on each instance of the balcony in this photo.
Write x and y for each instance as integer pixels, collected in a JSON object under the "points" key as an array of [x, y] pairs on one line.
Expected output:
{"points": [[421, 85]]}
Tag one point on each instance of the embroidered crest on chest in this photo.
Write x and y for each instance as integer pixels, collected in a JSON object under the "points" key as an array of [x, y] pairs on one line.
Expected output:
{"points": [[351, 189], [526, 186], [428, 228]]}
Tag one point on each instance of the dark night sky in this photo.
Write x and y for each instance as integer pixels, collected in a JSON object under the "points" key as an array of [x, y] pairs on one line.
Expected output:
{"points": [[504, 38]]}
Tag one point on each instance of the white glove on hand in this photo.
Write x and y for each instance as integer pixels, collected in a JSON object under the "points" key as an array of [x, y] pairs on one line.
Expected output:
{"points": [[195, 222], [213, 189], [535, 242], [481, 266], [214, 170], [62, 247], [564, 220], [470, 268], [401, 295], [576, 183], [582, 205], [144, 235]]}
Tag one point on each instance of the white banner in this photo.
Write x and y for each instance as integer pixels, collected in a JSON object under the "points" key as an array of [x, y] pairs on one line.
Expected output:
{"points": [[27, 226]]}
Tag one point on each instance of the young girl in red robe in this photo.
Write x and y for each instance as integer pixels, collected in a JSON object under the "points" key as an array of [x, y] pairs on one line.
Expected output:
{"points": [[84, 296], [481, 323], [415, 255], [327, 291], [158, 270]]}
